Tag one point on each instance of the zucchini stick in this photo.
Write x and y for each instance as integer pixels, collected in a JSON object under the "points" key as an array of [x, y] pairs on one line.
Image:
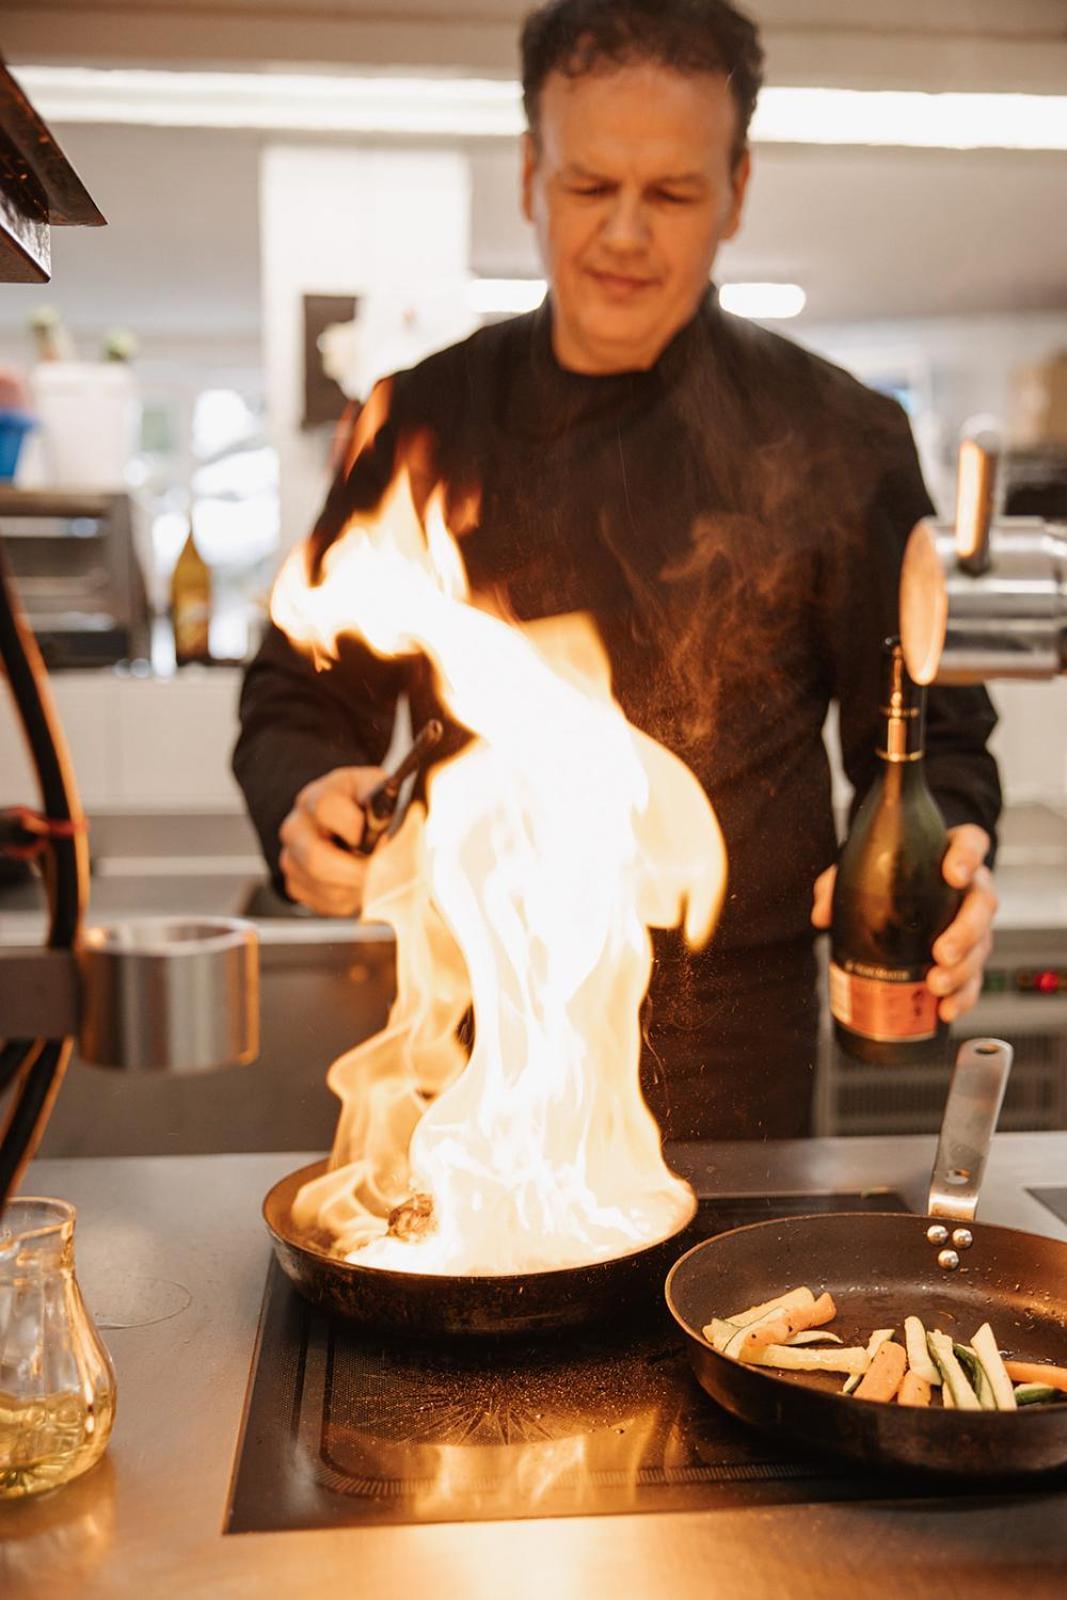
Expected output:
{"points": [[918, 1354], [850, 1358], [1032, 1394], [975, 1374], [952, 1374], [984, 1346]]}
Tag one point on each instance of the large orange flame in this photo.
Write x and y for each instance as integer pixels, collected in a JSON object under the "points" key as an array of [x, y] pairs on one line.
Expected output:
{"points": [[551, 844]]}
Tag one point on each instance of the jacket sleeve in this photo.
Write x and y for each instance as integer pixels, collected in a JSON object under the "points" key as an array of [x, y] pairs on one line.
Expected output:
{"points": [[297, 721], [961, 771]]}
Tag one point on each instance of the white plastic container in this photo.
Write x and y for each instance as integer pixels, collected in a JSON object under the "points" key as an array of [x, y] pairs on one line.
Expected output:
{"points": [[90, 415]]}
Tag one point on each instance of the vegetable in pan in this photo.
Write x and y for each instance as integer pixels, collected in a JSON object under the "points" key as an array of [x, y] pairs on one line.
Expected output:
{"points": [[782, 1333]]}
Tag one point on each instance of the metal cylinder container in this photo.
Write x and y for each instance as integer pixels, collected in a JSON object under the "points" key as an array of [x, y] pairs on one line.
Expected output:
{"points": [[166, 995], [965, 622]]}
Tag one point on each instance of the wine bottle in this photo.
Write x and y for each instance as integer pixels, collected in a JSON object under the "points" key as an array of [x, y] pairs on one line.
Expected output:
{"points": [[190, 604], [891, 901]]}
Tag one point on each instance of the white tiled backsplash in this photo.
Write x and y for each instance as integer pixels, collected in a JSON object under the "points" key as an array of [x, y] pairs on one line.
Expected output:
{"points": [[164, 743]]}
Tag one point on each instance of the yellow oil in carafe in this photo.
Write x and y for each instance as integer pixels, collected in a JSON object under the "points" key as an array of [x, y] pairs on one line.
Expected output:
{"points": [[46, 1440]]}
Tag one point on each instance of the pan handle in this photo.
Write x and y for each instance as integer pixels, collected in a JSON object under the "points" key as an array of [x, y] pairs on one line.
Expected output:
{"points": [[971, 1111]]}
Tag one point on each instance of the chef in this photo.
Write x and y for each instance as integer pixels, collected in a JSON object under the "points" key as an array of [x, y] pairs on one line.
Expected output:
{"points": [[731, 510]]}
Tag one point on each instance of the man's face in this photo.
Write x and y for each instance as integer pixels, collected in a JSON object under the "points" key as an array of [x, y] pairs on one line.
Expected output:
{"points": [[631, 187]]}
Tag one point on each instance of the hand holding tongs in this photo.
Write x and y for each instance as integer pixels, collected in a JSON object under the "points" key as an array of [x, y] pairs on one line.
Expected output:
{"points": [[379, 808]]}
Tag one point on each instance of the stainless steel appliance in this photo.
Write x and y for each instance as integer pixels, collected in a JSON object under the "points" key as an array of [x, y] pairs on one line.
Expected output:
{"points": [[984, 598], [74, 561]]}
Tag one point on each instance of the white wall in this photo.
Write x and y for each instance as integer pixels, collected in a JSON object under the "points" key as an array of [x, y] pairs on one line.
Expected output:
{"points": [[143, 744], [334, 220], [958, 365]]}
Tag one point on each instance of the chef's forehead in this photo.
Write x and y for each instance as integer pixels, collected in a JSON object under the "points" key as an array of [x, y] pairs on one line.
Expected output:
{"points": [[643, 118]]}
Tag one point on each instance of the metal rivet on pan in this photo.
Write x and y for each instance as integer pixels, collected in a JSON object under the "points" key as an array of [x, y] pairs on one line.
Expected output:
{"points": [[948, 1259], [937, 1233], [962, 1238]]}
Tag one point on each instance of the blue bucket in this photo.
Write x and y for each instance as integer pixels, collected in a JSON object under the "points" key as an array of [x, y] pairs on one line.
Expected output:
{"points": [[14, 426]]}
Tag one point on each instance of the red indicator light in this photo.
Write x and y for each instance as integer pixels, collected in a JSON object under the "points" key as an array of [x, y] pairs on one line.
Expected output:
{"points": [[1047, 982]]}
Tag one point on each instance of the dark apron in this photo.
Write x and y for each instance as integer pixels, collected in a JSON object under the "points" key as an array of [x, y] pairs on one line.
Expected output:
{"points": [[731, 1040]]}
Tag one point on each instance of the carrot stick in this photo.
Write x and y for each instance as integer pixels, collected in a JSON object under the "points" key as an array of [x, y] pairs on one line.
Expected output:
{"points": [[814, 1316], [883, 1377], [914, 1390], [794, 1320], [1035, 1372]]}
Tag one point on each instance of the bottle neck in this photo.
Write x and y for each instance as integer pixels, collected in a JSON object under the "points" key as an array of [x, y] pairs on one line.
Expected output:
{"points": [[902, 736]]}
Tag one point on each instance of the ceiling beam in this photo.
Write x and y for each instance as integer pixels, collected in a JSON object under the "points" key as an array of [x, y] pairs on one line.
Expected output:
{"points": [[229, 35]]}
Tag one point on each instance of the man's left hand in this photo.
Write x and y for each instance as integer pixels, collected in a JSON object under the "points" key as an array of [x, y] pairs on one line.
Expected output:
{"points": [[961, 951]]}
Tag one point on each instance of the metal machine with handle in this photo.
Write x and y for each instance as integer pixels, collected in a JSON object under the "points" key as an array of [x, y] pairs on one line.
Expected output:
{"points": [[985, 597]]}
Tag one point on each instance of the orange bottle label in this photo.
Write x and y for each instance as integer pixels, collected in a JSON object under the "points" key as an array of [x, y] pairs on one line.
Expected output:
{"points": [[881, 1009]]}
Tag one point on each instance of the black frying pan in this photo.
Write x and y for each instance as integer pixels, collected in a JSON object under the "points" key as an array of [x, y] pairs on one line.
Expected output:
{"points": [[430, 1304], [881, 1268]]}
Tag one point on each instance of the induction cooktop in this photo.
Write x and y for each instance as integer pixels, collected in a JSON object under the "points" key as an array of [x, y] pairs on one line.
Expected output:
{"points": [[346, 1430]]}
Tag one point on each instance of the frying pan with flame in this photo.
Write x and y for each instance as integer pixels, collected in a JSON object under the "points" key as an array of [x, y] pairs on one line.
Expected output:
{"points": [[880, 1269], [427, 1305]]}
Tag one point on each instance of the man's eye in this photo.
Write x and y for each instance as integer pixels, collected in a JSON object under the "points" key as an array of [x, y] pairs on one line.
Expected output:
{"points": [[670, 198], [589, 191]]}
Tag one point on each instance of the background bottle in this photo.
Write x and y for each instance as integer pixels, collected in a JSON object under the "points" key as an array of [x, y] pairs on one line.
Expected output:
{"points": [[190, 604], [891, 901]]}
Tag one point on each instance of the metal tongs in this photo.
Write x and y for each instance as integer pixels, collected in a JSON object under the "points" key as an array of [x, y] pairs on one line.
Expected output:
{"points": [[379, 808]]}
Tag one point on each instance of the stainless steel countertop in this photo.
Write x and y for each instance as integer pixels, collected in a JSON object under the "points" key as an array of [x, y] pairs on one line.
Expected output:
{"points": [[172, 1256]]}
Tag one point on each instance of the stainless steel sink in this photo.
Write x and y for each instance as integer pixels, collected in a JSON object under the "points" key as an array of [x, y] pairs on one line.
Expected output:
{"points": [[325, 985]]}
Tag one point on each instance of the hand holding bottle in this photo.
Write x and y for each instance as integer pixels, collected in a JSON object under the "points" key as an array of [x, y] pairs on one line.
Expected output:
{"points": [[961, 951], [911, 902]]}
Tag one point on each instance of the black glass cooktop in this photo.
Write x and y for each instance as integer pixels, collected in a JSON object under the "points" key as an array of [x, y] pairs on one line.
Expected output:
{"points": [[342, 1430], [1054, 1199]]}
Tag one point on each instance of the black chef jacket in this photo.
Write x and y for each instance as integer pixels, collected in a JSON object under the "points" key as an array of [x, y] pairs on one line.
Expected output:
{"points": [[734, 519]]}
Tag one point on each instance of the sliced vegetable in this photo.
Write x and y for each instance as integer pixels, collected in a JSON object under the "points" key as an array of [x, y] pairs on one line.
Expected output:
{"points": [[815, 1336], [779, 1329], [850, 1358], [791, 1297], [883, 1377], [952, 1374], [914, 1390], [1037, 1372], [720, 1330], [1033, 1394], [918, 1355], [976, 1375], [878, 1337], [984, 1346], [742, 1336]]}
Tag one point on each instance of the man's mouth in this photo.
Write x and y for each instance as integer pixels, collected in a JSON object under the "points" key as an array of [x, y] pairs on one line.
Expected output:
{"points": [[621, 285]]}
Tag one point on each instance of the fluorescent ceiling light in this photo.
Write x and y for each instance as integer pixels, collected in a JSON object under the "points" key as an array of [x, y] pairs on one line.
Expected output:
{"points": [[492, 108], [283, 101], [513, 296], [763, 301], [892, 117], [505, 296]]}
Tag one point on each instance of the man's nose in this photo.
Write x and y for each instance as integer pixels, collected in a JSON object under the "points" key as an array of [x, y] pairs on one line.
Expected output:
{"points": [[626, 227]]}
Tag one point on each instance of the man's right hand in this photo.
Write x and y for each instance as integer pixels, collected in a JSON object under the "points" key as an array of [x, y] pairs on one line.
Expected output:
{"points": [[318, 871]]}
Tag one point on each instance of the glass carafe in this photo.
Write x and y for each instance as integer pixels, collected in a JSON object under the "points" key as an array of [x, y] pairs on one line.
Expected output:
{"points": [[57, 1385]]}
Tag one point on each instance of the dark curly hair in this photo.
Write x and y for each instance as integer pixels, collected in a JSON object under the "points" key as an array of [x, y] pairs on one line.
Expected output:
{"points": [[577, 36]]}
